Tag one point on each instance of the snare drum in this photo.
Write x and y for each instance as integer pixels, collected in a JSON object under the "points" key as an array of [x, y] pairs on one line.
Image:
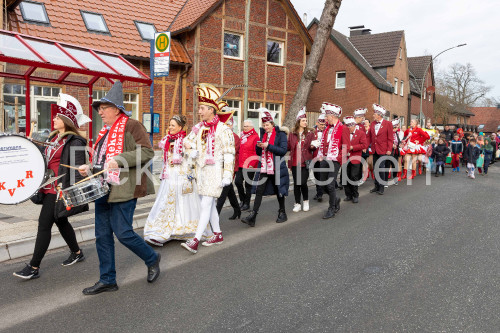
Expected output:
{"points": [[85, 192], [22, 169]]}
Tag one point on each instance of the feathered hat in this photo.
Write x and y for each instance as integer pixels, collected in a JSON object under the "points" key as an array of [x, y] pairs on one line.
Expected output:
{"points": [[379, 109], [69, 107], [332, 109], [209, 95], [349, 121], [395, 122], [360, 112], [266, 115], [301, 114]]}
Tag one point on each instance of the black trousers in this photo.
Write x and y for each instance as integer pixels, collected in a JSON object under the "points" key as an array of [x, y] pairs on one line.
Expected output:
{"points": [[300, 185], [330, 178], [227, 192], [263, 180], [317, 177], [244, 187], [45, 222], [394, 166], [379, 175], [354, 172]]}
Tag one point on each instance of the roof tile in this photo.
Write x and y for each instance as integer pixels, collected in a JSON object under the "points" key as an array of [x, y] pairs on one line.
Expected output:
{"points": [[380, 50]]}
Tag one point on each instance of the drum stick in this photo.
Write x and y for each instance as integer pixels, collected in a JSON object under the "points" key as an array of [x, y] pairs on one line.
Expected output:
{"points": [[69, 166], [91, 176]]}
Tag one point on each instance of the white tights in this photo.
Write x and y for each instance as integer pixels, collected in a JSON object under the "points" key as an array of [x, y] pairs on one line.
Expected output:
{"points": [[208, 214]]}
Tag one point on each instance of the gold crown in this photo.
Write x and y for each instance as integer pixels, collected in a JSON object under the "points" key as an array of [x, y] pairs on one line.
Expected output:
{"points": [[209, 95]]}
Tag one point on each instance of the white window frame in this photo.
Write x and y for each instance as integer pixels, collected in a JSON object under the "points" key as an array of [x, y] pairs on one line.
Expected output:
{"points": [[240, 45], [138, 25], [256, 106], [231, 105], [106, 31], [276, 107], [31, 20], [401, 88], [337, 86], [395, 86], [400, 53], [282, 52]]}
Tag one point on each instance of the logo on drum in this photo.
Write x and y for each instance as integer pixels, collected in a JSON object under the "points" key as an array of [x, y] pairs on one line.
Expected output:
{"points": [[20, 183]]}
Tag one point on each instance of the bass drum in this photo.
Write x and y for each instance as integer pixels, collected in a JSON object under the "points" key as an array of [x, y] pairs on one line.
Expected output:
{"points": [[22, 169]]}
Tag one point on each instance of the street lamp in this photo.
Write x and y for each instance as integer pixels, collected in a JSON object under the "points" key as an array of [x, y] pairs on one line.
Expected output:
{"points": [[425, 74]]}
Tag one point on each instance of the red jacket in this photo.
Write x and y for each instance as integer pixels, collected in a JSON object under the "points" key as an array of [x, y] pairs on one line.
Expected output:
{"points": [[306, 151], [236, 151], [418, 135], [358, 143], [381, 142], [247, 150], [344, 140]]}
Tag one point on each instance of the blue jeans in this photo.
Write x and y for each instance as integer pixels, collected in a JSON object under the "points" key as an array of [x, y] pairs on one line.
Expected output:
{"points": [[117, 217]]}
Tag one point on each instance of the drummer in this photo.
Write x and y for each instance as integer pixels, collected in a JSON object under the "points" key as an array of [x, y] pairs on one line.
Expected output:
{"points": [[67, 142], [124, 149]]}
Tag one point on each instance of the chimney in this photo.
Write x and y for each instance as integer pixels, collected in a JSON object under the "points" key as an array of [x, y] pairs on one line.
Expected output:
{"points": [[305, 19], [359, 30]]}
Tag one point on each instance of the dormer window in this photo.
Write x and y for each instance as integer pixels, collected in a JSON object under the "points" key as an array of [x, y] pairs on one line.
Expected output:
{"points": [[34, 12], [95, 22], [146, 30]]}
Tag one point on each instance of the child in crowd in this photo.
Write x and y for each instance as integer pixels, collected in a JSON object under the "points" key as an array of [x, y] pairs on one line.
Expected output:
{"points": [[457, 148], [439, 153], [488, 154], [471, 153]]}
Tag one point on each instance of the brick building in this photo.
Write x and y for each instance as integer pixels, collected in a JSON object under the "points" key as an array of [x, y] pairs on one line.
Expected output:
{"points": [[363, 69], [221, 42], [417, 67]]}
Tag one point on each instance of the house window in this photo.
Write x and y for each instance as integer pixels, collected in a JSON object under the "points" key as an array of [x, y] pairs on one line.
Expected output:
{"points": [[400, 53], [146, 30], [34, 12], [234, 105], [277, 110], [10, 92], [232, 45], [253, 114], [94, 22], [340, 80], [274, 52], [396, 86], [401, 92]]}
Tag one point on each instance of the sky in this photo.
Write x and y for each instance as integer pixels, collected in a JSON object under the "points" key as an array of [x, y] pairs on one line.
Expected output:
{"points": [[430, 27]]}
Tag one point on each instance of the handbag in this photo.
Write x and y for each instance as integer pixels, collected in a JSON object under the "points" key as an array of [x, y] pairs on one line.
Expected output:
{"points": [[480, 161], [37, 198]]}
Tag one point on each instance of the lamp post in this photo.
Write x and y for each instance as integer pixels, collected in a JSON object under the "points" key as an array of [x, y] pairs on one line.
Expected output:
{"points": [[425, 74]]}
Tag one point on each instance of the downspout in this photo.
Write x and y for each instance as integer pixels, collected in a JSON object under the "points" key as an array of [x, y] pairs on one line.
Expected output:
{"points": [[186, 69], [246, 67], [408, 118]]}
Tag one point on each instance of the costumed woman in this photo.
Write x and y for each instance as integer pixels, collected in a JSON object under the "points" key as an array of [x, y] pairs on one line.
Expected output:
{"points": [[176, 211], [415, 137], [67, 146]]}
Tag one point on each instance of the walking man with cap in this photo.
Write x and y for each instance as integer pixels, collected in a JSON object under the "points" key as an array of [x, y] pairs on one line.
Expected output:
{"points": [[318, 135], [380, 137], [353, 170], [124, 149]]}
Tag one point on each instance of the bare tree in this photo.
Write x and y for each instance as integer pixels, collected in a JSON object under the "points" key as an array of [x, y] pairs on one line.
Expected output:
{"points": [[310, 73]]}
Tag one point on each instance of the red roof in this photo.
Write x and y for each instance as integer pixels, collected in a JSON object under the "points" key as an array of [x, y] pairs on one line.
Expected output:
{"points": [[487, 116]]}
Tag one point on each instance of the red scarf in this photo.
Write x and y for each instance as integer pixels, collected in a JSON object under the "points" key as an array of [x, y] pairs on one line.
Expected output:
{"points": [[245, 135], [164, 144], [267, 160], [332, 151], [212, 126], [114, 144]]}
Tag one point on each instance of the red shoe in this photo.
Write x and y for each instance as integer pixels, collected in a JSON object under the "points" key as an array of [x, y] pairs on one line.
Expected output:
{"points": [[389, 176], [399, 176], [413, 174], [216, 239], [404, 173], [192, 245], [419, 169]]}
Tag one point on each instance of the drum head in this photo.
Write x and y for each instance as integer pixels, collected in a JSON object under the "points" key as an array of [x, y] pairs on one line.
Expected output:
{"points": [[22, 169]]}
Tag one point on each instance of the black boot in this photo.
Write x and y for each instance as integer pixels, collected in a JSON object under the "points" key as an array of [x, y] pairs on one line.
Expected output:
{"points": [[337, 205], [329, 213], [281, 216], [348, 199], [236, 214], [250, 219], [245, 205]]}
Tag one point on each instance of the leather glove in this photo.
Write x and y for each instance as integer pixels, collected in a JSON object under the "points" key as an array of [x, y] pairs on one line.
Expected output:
{"points": [[225, 182]]}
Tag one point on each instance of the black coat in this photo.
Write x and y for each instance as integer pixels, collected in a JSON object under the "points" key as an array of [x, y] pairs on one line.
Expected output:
{"points": [[439, 152], [472, 153], [448, 135]]}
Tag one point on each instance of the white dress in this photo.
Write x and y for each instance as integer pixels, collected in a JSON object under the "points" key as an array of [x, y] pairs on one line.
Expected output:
{"points": [[174, 214]]}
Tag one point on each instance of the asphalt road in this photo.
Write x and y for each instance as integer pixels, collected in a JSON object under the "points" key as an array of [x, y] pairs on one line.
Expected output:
{"points": [[418, 259]]}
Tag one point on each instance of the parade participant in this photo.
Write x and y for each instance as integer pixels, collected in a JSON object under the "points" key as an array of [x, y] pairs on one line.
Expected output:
{"points": [[68, 146], [299, 145], [272, 174], [247, 164], [397, 151], [456, 151], [315, 143], [335, 140], [488, 154], [176, 210], [353, 173], [439, 153], [359, 118], [471, 154], [211, 145], [414, 140], [368, 153], [123, 148], [228, 190], [381, 139]]}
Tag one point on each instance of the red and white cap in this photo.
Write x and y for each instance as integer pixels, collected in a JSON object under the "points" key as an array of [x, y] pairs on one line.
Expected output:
{"points": [[395, 122], [332, 109], [266, 115], [379, 109], [301, 114], [321, 118], [69, 107], [349, 121], [360, 112]]}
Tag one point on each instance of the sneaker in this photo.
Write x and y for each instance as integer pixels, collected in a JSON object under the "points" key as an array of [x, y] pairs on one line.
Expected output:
{"points": [[191, 245], [73, 258], [306, 205], [216, 239], [28, 273], [296, 208]]}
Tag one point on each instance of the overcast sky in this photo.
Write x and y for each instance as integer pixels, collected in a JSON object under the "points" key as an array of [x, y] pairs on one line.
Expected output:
{"points": [[430, 27]]}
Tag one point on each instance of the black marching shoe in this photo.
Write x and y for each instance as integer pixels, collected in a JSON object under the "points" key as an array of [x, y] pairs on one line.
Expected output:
{"points": [[245, 206], [329, 213], [154, 270], [281, 216], [250, 219], [100, 287], [355, 200], [373, 190], [320, 198], [74, 258], [28, 273], [236, 214], [337, 205], [348, 199], [381, 191]]}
